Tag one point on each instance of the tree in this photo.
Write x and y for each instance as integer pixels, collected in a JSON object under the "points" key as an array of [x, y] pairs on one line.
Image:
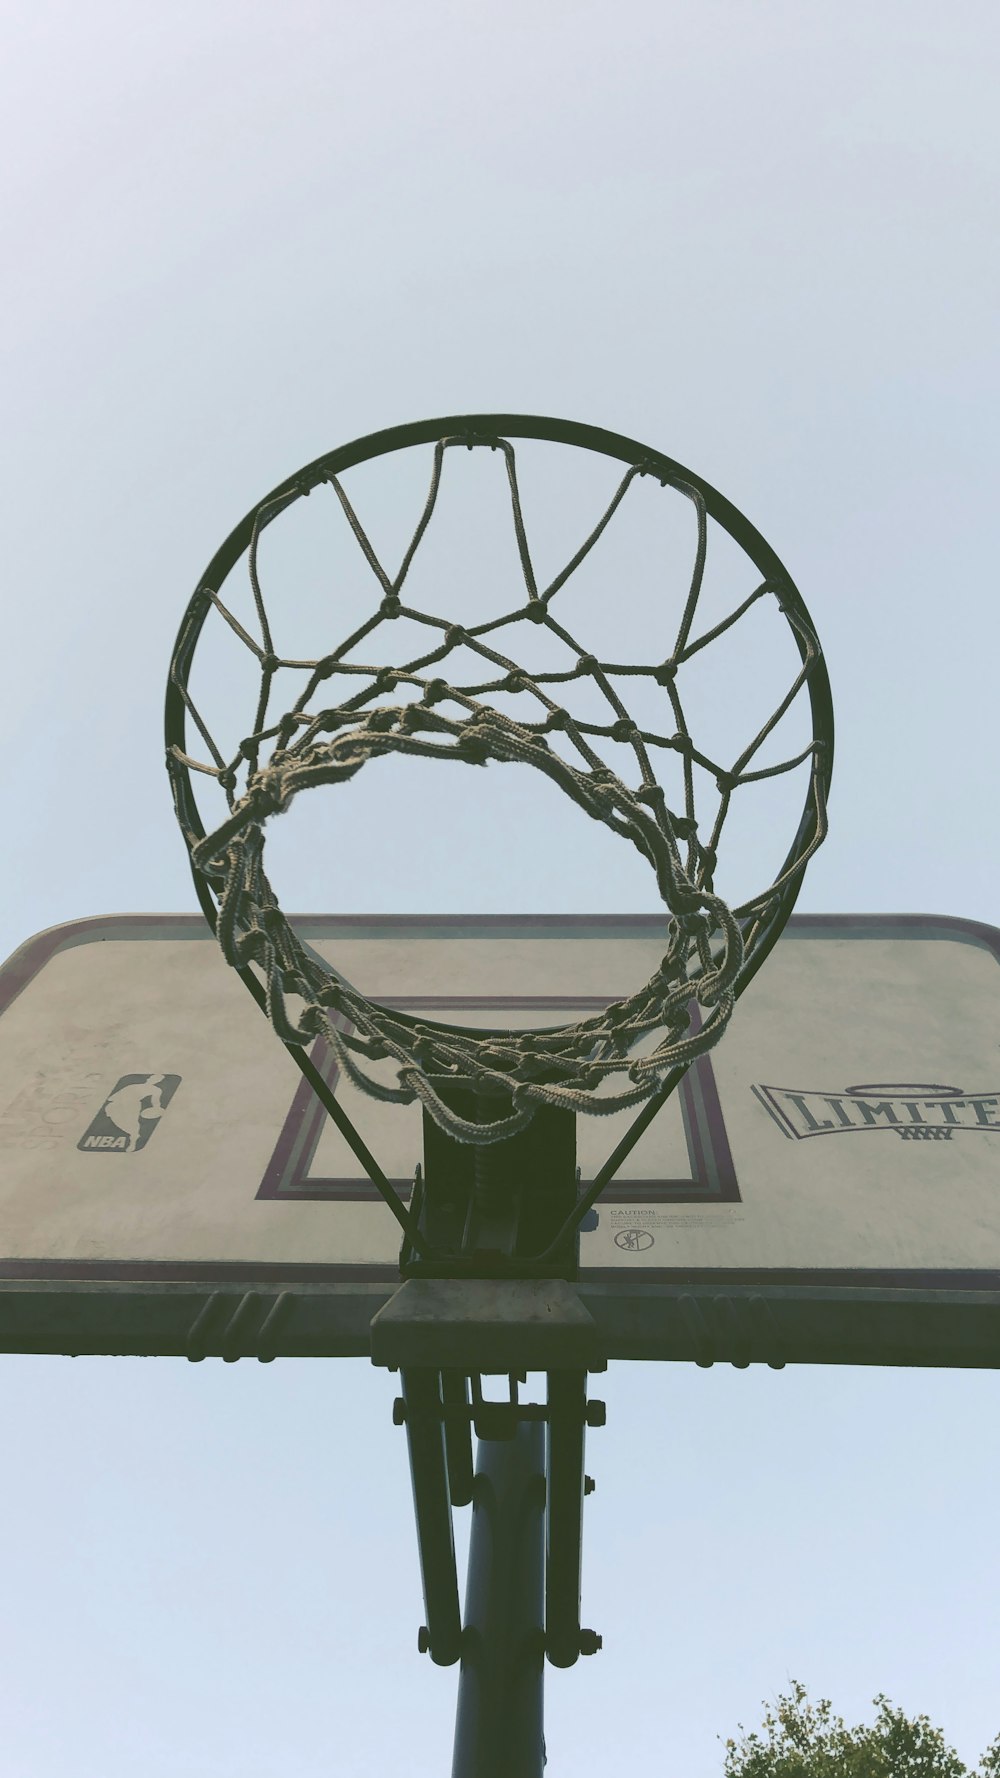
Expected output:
{"points": [[800, 1739]]}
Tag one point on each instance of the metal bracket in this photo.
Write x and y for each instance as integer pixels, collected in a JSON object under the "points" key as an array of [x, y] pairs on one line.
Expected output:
{"points": [[438, 1416], [487, 1325]]}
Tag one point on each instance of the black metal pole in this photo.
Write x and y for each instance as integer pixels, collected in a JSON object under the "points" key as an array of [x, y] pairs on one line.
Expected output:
{"points": [[457, 1437], [442, 1633], [499, 1727], [564, 1515]]}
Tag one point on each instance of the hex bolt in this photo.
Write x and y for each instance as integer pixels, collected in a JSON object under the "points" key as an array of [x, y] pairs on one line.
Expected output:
{"points": [[423, 1640], [589, 1484], [399, 1411], [597, 1413], [590, 1642]]}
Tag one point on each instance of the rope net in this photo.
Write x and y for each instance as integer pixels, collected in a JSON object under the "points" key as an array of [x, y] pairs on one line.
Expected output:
{"points": [[349, 713]]}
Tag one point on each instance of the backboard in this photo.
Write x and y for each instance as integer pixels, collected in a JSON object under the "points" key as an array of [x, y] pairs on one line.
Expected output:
{"points": [[825, 1186]]}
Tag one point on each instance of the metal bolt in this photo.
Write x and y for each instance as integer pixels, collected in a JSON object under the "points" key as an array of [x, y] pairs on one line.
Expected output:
{"points": [[597, 1413], [590, 1642], [589, 1484], [423, 1640], [399, 1411]]}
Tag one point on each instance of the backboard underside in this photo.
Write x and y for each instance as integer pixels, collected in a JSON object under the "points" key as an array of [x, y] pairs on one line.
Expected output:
{"points": [[824, 1186]]}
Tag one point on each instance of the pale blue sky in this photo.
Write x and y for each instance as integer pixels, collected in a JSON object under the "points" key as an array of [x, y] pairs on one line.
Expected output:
{"points": [[760, 235]]}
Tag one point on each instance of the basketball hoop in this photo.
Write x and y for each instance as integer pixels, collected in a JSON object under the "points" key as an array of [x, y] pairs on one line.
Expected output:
{"points": [[350, 713]]}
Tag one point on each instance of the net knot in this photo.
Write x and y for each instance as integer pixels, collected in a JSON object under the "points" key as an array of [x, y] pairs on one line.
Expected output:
{"points": [[688, 913], [493, 1059], [453, 635], [474, 749], [423, 1049], [522, 1098], [390, 606], [683, 826], [268, 796], [666, 672], [667, 976], [587, 663], [624, 729], [640, 1071], [536, 612], [528, 1069]]}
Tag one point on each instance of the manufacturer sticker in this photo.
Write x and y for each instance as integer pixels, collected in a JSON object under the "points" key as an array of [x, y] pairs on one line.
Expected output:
{"points": [[919, 1112]]}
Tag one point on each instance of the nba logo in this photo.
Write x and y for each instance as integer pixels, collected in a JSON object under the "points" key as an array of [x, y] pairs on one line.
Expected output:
{"points": [[130, 1114]]}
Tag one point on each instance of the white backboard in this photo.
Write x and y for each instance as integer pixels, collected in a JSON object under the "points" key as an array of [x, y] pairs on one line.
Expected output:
{"points": [[158, 1147]]}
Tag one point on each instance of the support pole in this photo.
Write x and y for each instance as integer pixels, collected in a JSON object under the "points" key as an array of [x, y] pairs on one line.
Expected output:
{"points": [[564, 1515], [432, 1509], [498, 1727], [457, 1436]]}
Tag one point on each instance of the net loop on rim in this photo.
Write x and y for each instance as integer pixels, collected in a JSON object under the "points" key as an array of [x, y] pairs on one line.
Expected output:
{"points": [[618, 1056]]}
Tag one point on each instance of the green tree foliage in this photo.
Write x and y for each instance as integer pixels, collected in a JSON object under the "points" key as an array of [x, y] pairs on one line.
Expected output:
{"points": [[800, 1739]]}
